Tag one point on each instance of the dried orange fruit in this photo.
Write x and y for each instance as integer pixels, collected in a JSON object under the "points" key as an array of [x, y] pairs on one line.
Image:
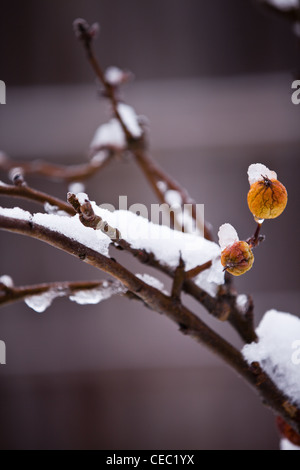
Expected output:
{"points": [[237, 258], [267, 197]]}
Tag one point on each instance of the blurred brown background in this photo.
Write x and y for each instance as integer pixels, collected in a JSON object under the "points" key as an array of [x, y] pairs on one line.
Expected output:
{"points": [[214, 78]]}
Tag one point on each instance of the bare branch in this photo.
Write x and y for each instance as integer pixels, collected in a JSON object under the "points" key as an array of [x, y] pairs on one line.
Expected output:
{"points": [[25, 192], [57, 172]]}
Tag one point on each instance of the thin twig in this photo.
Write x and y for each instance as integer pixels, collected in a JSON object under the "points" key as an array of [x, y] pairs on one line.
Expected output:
{"points": [[152, 171], [55, 172], [14, 294], [25, 192]]}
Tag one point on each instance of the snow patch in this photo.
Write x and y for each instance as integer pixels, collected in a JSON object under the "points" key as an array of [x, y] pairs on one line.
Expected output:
{"points": [[285, 444], [227, 236], [109, 135], [76, 187], [7, 281], [114, 75], [242, 303], [275, 351], [257, 171], [173, 198], [152, 281], [98, 294], [40, 303], [130, 119]]}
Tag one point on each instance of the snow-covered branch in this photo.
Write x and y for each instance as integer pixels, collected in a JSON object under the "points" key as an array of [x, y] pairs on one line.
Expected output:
{"points": [[40, 296]]}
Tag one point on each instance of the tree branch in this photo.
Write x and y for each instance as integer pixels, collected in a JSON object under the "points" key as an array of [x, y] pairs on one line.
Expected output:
{"points": [[25, 192], [10, 295], [152, 171], [188, 322], [56, 172]]}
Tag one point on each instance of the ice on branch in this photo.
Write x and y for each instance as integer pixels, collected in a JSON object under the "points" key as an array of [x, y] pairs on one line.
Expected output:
{"points": [[257, 171], [275, 351], [97, 295], [110, 135], [152, 281], [227, 236], [6, 281], [40, 303], [130, 119], [284, 4], [285, 444]]}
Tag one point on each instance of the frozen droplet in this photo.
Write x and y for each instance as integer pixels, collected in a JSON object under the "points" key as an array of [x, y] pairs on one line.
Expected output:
{"points": [[40, 303], [98, 294], [259, 221]]}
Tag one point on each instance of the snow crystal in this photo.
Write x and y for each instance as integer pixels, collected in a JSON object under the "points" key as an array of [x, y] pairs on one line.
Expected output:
{"points": [[257, 171], [285, 444], [76, 187], [96, 295], [130, 119], [114, 75], [277, 353], [227, 236], [242, 303], [41, 302], [110, 134], [7, 281], [284, 4], [152, 281], [173, 198]]}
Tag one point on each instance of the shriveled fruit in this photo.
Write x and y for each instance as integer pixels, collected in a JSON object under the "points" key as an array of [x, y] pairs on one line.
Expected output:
{"points": [[267, 198], [237, 258]]}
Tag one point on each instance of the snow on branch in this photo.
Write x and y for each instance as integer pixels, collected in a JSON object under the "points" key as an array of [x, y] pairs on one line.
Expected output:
{"points": [[278, 351]]}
